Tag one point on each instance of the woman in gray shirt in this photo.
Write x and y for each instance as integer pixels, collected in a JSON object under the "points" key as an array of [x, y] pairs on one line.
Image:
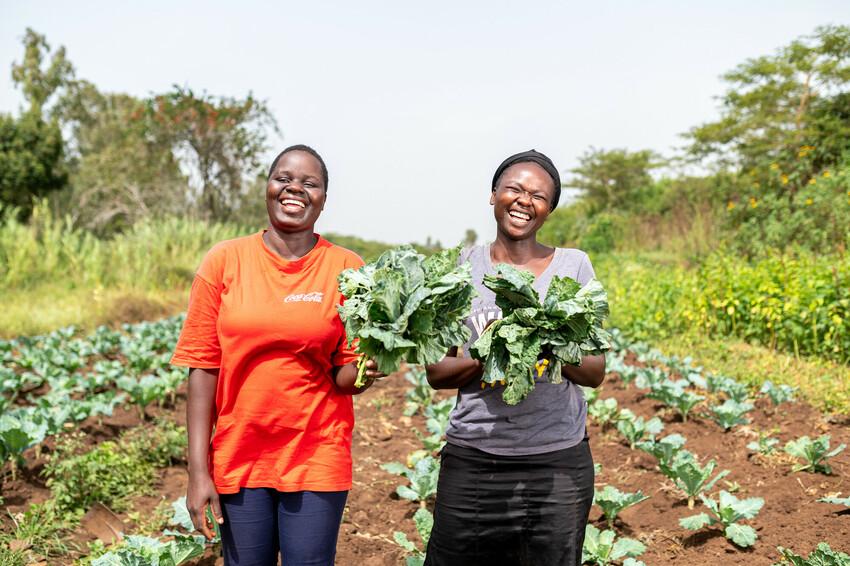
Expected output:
{"points": [[516, 482]]}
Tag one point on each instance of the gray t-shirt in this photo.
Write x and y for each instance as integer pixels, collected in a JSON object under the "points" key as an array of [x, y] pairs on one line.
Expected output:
{"points": [[552, 417]]}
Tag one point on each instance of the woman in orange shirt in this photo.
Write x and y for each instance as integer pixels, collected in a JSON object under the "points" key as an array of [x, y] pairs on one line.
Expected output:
{"points": [[270, 410]]}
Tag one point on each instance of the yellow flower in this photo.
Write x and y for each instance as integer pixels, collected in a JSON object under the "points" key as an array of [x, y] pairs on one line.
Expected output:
{"points": [[753, 202], [809, 202], [774, 166], [731, 205], [804, 150], [784, 179], [827, 174], [812, 181]]}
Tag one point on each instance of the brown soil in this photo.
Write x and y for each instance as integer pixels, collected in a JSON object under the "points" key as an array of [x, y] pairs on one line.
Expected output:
{"points": [[791, 516]]}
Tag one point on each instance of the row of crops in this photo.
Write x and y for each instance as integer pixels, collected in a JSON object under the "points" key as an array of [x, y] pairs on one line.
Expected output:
{"points": [[50, 383], [49, 386], [684, 390]]}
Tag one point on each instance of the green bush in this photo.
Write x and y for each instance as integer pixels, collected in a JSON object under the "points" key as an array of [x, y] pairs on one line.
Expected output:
{"points": [[602, 233], [808, 211], [113, 471], [795, 302]]}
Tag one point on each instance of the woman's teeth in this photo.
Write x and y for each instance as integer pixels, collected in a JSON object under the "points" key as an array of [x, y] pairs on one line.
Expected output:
{"points": [[288, 201], [519, 215]]}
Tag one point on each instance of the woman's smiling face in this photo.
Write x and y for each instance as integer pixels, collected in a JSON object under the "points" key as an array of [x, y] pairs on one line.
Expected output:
{"points": [[296, 192], [522, 200]]}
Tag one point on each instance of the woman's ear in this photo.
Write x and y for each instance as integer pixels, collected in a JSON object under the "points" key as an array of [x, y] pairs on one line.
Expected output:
{"points": [[492, 196]]}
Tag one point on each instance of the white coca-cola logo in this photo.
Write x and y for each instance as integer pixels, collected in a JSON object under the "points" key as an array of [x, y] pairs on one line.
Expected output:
{"points": [[314, 297]]}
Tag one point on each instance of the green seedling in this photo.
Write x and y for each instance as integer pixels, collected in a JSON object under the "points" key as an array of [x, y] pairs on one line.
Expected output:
{"points": [[665, 450], [603, 411], [731, 413], [143, 391], [603, 548], [140, 550], [814, 453], [692, 478], [590, 394], [424, 522], [421, 394], [422, 477], [778, 393], [836, 500], [17, 433], [727, 511], [765, 445], [675, 395], [612, 501], [649, 377], [634, 429], [823, 555]]}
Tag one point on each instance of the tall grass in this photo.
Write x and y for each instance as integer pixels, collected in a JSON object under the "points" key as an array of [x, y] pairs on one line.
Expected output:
{"points": [[153, 255], [53, 275]]}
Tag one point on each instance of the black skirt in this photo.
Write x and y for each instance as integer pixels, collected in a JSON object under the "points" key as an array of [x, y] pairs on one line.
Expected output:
{"points": [[511, 510]]}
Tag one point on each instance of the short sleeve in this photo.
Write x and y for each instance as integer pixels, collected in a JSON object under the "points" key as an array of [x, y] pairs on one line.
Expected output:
{"points": [[345, 354], [585, 271], [198, 345]]}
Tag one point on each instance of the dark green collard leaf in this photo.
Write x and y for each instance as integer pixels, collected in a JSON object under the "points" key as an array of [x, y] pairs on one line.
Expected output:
{"points": [[567, 325], [405, 307], [513, 288]]}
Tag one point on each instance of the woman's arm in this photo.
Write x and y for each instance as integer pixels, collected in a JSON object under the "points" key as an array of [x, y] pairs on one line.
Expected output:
{"points": [[590, 373], [199, 418], [452, 372], [345, 376]]}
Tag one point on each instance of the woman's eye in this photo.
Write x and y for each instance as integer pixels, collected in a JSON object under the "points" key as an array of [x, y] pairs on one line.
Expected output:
{"points": [[512, 189], [540, 198]]}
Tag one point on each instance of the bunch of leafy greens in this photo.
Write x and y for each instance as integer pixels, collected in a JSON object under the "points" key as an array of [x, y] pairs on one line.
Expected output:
{"points": [[567, 325], [406, 307]]}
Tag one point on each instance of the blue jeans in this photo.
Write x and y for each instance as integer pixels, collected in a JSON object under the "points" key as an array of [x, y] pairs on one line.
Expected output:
{"points": [[260, 522]]}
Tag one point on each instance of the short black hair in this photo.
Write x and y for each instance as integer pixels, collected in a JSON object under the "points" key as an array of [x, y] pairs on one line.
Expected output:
{"points": [[306, 149]]}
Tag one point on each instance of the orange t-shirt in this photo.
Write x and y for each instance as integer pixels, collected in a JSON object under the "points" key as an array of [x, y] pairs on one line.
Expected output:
{"points": [[271, 327]]}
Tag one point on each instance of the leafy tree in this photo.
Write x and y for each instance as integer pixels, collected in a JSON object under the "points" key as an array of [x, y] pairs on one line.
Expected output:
{"points": [[31, 148], [120, 172], [611, 178], [219, 140], [784, 116], [31, 160], [38, 83], [784, 129]]}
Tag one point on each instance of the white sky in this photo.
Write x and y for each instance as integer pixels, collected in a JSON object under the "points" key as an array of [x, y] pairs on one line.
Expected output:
{"points": [[413, 105]]}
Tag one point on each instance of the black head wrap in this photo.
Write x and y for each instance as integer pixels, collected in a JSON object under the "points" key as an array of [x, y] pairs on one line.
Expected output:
{"points": [[532, 156]]}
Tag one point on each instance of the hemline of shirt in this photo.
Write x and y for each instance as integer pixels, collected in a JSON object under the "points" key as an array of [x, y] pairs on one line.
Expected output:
{"points": [[518, 452], [283, 488]]}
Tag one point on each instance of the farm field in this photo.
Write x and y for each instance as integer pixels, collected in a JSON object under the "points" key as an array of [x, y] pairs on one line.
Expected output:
{"points": [[721, 432], [124, 415]]}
